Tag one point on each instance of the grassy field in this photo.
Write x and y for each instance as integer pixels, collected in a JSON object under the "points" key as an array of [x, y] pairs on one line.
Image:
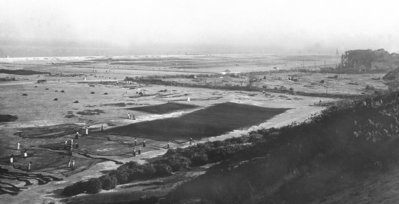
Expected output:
{"points": [[163, 108], [211, 121]]}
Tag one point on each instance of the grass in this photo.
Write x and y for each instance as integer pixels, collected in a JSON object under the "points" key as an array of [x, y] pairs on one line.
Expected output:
{"points": [[163, 108], [53, 131], [212, 121]]}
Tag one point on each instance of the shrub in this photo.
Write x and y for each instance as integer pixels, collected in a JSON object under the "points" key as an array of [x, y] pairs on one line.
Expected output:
{"points": [[217, 143], [108, 182], [162, 169], [74, 189], [171, 152], [148, 170], [122, 176], [237, 140], [177, 162], [221, 153], [93, 186], [199, 159]]}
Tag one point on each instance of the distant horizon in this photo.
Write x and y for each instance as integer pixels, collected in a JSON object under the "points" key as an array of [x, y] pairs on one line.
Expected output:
{"points": [[82, 50], [173, 54], [104, 27]]}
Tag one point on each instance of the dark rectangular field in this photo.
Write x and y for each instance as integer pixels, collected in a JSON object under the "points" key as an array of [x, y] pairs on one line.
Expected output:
{"points": [[211, 121], [21, 72], [163, 108]]}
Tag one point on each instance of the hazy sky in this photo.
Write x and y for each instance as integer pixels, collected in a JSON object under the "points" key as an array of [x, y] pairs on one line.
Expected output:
{"points": [[280, 24]]}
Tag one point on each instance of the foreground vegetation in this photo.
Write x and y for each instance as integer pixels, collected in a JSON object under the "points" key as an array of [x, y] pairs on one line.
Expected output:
{"points": [[174, 160]]}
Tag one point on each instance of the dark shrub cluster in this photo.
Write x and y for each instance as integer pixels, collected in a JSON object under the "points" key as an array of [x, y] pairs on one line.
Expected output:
{"points": [[174, 160], [74, 189], [108, 181], [94, 185]]}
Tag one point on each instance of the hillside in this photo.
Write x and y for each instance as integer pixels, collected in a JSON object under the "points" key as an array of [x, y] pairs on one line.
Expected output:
{"points": [[392, 79], [342, 148]]}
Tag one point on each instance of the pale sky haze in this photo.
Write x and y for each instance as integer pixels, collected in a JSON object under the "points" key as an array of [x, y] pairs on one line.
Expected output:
{"points": [[282, 25]]}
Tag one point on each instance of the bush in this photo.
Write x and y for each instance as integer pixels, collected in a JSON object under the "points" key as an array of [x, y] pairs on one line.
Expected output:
{"points": [[122, 176], [148, 170], [237, 140], [176, 162], [224, 152], [199, 159], [93, 186], [74, 189], [217, 143], [108, 182], [162, 170]]}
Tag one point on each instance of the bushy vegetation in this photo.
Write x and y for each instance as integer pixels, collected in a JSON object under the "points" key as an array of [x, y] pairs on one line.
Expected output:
{"points": [[174, 160], [74, 189], [108, 181], [94, 185]]}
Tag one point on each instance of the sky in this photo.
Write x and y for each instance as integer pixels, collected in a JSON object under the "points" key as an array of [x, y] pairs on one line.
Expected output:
{"points": [[239, 25]]}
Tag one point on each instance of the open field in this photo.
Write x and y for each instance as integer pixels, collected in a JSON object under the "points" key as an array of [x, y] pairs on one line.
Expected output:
{"points": [[80, 93], [299, 82]]}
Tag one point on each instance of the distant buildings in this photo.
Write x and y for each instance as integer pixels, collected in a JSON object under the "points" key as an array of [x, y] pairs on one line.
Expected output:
{"points": [[368, 60]]}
